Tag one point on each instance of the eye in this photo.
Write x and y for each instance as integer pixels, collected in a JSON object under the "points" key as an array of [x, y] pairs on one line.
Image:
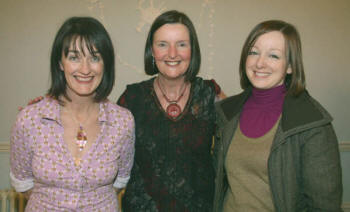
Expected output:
{"points": [[73, 57], [274, 56], [161, 44], [252, 52], [96, 58], [183, 44]]}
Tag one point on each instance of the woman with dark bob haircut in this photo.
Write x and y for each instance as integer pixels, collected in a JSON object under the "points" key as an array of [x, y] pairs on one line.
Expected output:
{"points": [[74, 149], [93, 33], [175, 121], [275, 146], [173, 18]]}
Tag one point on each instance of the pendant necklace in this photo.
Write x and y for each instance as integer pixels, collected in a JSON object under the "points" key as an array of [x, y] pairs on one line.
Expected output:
{"points": [[81, 137], [173, 109]]}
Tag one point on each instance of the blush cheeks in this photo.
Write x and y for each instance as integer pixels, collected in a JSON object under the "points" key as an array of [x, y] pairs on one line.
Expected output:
{"points": [[266, 64], [171, 50]]}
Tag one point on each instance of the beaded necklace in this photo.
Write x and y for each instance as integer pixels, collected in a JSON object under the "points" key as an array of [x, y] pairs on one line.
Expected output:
{"points": [[173, 109]]}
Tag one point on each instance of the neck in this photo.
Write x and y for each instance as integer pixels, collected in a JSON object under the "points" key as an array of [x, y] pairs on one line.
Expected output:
{"points": [[172, 88], [261, 111], [80, 108], [269, 95]]}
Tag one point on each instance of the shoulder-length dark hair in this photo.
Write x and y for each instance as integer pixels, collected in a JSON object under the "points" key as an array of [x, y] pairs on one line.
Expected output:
{"points": [[173, 17], [295, 82], [90, 32]]}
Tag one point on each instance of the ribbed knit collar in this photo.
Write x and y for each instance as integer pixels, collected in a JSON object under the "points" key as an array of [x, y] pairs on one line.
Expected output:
{"points": [[261, 111]]}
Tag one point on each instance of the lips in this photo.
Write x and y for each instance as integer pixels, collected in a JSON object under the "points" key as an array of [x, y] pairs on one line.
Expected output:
{"points": [[83, 79], [172, 63], [261, 74]]}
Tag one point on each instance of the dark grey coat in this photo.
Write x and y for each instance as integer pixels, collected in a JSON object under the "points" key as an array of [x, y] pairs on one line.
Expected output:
{"points": [[303, 166]]}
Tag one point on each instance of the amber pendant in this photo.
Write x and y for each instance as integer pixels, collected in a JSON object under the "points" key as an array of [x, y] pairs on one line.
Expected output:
{"points": [[81, 139], [77, 161], [173, 110]]}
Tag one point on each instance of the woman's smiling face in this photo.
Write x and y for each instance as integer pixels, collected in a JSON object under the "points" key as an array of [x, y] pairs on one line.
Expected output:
{"points": [[266, 64], [83, 70], [171, 50]]}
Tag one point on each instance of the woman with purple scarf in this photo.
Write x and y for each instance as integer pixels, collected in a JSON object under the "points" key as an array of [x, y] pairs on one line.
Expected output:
{"points": [[275, 147]]}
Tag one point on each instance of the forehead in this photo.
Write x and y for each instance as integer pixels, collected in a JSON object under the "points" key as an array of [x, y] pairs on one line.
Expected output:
{"points": [[80, 44], [176, 31], [271, 40]]}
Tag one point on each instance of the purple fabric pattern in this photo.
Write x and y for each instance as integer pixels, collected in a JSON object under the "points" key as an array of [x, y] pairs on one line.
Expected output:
{"points": [[261, 111], [38, 152]]}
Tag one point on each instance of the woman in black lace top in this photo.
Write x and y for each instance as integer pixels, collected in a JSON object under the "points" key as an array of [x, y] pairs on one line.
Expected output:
{"points": [[175, 120]]}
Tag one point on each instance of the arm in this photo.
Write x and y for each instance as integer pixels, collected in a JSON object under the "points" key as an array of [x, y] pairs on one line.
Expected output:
{"points": [[127, 152], [122, 99], [135, 197], [21, 157], [321, 170], [219, 94], [120, 183]]}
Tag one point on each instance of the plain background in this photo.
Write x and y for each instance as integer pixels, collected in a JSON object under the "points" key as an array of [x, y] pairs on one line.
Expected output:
{"points": [[27, 30]]}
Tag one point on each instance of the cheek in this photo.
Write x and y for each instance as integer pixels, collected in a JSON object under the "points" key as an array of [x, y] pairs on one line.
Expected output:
{"points": [[186, 54], [99, 68], [157, 53], [281, 68], [249, 62]]}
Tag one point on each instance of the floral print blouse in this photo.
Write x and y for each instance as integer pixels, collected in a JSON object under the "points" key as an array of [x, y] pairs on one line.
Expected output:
{"points": [[173, 167], [40, 159]]}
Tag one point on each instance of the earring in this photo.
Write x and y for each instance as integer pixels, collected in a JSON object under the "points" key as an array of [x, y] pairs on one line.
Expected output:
{"points": [[153, 63]]}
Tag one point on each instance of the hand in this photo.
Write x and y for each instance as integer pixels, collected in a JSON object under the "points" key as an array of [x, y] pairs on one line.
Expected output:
{"points": [[220, 96], [32, 101], [27, 194], [120, 193]]}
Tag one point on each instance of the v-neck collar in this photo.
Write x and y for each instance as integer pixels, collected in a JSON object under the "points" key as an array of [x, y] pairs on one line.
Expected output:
{"points": [[159, 105]]}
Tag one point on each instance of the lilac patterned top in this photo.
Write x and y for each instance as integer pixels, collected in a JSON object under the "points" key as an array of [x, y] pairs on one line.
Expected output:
{"points": [[41, 160]]}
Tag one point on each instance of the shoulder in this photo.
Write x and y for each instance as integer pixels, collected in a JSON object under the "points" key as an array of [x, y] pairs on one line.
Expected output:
{"points": [[303, 110], [31, 115], [114, 113], [207, 84], [232, 105], [44, 107], [140, 85], [133, 92]]}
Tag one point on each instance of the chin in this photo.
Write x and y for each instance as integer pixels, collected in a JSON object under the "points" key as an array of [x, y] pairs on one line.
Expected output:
{"points": [[86, 93], [262, 87]]}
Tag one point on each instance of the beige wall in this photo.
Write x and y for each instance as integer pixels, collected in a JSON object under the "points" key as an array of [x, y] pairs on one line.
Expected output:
{"points": [[27, 29]]}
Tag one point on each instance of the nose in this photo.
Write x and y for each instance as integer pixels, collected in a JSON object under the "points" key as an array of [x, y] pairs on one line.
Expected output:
{"points": [[172, 51], [85, 66], [260, 63]]}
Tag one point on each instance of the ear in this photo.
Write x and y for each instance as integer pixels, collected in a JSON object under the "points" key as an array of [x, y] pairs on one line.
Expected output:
{"points": [[289, 69]]}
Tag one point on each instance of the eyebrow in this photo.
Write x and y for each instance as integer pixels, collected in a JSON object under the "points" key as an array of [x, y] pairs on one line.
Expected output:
{"points": [[73, 51], [277, 49], [183, 41], [167, 41], [272, 49], [78, 52]]}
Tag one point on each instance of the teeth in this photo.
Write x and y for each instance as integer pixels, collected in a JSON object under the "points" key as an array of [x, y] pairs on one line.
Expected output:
{"points": [[84, 79], [260, 74], [172, 63]]}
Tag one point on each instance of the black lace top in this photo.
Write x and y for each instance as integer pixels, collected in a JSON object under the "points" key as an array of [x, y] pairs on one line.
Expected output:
{"points": [[173, 167]]}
